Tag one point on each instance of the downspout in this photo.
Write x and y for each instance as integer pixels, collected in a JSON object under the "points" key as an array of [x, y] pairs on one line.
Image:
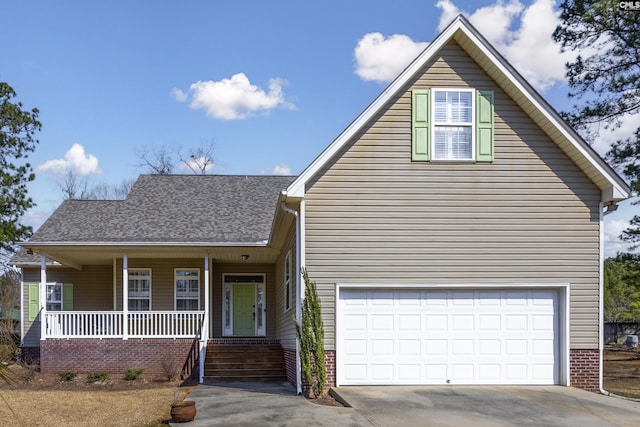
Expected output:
{"points": [[601, 301], [298, 295]]}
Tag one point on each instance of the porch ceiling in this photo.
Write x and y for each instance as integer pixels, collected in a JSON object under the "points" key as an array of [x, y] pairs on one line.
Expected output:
{"points": [[78, 256]]}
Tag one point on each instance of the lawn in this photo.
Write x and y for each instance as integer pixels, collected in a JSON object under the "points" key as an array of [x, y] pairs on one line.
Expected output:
{"points": [[47, 401], [622, 371], [44, 400]]}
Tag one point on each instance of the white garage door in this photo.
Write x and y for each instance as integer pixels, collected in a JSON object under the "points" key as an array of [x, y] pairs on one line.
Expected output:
{"points": [[447, 337]]}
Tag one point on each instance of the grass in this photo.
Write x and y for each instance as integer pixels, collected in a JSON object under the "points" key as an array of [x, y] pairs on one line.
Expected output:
{"points": [[148, 407], [47, 401], [621, 374]]}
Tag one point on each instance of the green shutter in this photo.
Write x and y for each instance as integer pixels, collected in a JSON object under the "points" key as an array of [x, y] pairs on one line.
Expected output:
{"points": [[67, 297], [484, 126], [34, 301], [420, 132]]}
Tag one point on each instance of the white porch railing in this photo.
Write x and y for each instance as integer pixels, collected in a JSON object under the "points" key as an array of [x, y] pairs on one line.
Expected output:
{"points": [[109, 324]]}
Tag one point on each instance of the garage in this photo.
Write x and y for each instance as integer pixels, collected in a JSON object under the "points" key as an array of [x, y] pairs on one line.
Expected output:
{"points": [[448, 336]]}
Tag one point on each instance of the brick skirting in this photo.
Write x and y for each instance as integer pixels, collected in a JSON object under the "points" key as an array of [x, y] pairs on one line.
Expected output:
{"points": [[329, 363], [114, 356], [290, 364], [585, 369]]}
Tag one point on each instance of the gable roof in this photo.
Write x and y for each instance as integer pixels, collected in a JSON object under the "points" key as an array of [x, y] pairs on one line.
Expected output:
{"points": [[477, 47], [171, 209]]}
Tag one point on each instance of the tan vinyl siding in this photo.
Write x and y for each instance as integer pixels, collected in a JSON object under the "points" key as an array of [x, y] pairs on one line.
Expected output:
{"points": [[531, 216], [285, 325]]}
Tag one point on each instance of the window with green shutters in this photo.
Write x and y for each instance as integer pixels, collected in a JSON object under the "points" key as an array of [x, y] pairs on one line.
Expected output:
{"points": [[452, 125], [59, 297]]}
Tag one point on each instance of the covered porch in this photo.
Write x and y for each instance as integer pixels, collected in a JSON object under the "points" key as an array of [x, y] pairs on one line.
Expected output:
{"points": [[144, 302]]}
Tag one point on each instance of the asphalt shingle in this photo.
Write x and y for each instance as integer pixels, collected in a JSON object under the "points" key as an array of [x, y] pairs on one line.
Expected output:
{"points": [[172, 208]]}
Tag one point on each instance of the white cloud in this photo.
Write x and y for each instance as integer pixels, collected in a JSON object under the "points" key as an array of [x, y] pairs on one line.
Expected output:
{"points": [[522, 35], [281, 170], [75, 160], [608, 135], [196, 164], [383, 59], [179, 95], [235, 98], [613, 229]]}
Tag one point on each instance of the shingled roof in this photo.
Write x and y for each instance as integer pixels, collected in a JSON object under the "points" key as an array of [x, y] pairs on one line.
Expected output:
{"points": [[172, 209]]}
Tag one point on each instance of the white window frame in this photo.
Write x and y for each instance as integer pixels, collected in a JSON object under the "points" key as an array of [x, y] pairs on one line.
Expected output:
{"points": [[288, 281], [133, 277], [52, 303], [450, 124], [190, 296]]}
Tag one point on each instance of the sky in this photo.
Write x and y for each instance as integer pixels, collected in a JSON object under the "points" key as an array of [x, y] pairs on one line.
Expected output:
{"points": [[267, 84]]}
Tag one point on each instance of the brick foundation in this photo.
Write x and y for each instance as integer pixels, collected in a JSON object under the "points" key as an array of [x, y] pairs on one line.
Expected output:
{"points": [[290, 364], [329, 363], [585, 369], [114, 356]]}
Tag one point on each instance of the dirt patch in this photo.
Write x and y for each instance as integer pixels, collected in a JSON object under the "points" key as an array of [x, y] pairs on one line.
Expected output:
{"points": [[621, 370], [326, 399]]}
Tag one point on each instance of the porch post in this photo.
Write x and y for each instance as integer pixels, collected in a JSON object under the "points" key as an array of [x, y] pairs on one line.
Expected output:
{"points": [[43, 297], [204, 332], [125, 299]]}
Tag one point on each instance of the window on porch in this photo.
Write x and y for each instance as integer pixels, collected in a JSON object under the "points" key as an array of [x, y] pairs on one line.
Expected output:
{"points": [[139, 289], [187, 291]]}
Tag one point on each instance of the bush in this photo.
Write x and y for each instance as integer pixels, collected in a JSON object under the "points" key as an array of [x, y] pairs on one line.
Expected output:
{"points": [[67, 376], [171, 369], [97, 377], [132, 374]]}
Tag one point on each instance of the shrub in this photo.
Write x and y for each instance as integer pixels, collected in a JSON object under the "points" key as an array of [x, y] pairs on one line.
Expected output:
{"points": [[67, 376], [170, 369], [311, 337], [132, 374], [97, 377]]}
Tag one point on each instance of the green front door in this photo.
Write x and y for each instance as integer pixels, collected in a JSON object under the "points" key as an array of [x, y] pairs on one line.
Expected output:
{"points": [[244, 299]]}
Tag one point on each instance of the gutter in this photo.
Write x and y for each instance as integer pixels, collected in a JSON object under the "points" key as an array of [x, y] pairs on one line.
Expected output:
{"points": [[284, 207]]}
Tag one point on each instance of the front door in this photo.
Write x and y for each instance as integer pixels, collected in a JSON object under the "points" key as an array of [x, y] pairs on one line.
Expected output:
{"points": [[244, 297], [243, 306]]}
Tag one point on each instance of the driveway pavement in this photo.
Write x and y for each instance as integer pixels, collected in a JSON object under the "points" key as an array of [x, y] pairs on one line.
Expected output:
{"points": [[276, 404]]}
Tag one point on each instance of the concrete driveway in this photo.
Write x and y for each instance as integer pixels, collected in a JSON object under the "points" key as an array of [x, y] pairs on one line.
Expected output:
{"points": [[489, 406], [276, 404]]}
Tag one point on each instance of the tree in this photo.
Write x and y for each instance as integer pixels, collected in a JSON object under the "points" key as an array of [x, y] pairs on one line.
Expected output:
{"points": [[162, 160], [310, 333], [159, 160], [607, 81], [200, 159], [622, 288], [74, 187], [17, 140]]}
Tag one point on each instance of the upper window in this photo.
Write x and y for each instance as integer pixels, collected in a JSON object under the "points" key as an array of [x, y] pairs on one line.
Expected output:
{"points": [[288, 279], [452, 124], [187, 289], [139, 289]]}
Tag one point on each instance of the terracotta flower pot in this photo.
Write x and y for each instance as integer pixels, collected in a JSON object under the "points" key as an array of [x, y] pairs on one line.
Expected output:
{"points": [[183, 411]]}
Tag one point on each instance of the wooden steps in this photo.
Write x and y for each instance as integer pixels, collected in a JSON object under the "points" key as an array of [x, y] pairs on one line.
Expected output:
{"points": [[244, 362]]}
